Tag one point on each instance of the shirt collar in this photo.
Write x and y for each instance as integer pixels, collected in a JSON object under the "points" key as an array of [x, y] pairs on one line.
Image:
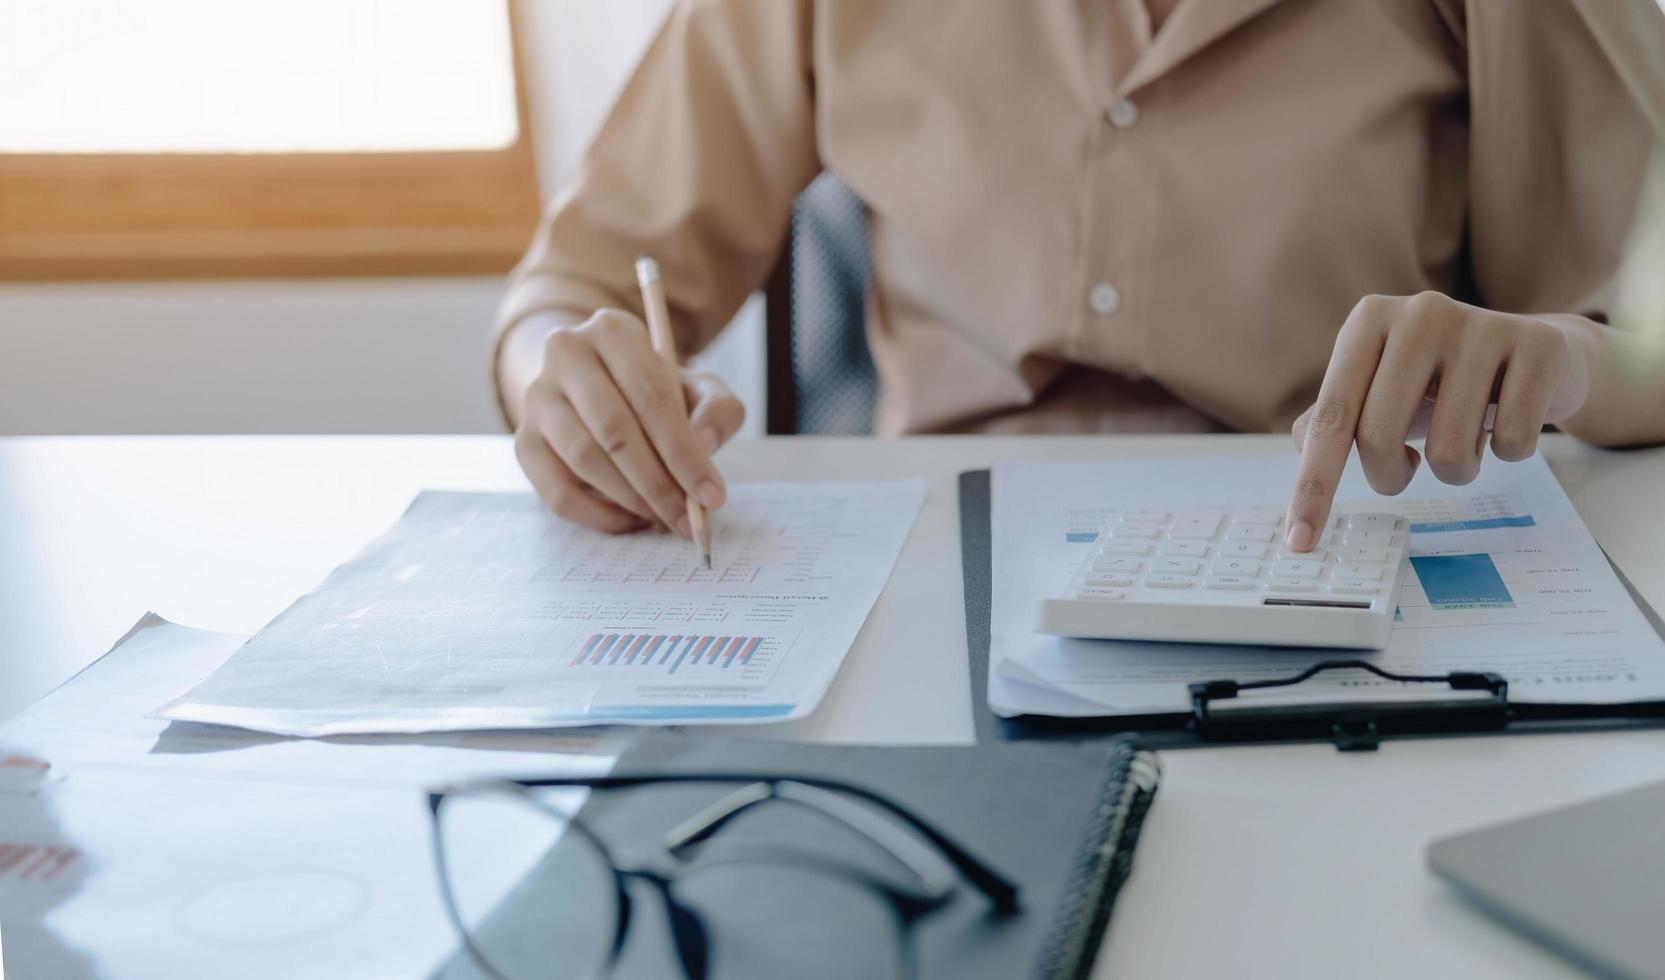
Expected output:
{"points": [[1193, 25]]}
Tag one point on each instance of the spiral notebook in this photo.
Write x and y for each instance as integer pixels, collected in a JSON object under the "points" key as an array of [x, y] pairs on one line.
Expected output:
{"points": [[1059, 821]]}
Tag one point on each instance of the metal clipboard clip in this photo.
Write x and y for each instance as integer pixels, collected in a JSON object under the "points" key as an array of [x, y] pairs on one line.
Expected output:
{"points": [[1354, 726]]}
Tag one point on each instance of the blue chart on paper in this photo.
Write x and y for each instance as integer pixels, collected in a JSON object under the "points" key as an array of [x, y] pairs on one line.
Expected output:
{"points": [[1479, 524], [1461, 582]]}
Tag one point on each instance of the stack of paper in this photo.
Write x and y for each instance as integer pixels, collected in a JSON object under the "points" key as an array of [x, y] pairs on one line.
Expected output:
{"points": [[483, 611], [1505, 578], [134, 847]]}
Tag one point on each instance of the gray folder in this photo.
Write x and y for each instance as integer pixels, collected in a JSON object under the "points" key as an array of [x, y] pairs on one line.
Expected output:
{"points": [[1061, 821]]}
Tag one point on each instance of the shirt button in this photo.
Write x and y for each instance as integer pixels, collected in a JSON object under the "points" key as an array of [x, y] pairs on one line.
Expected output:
{"points": [[1105, 299], [1124, 114]]}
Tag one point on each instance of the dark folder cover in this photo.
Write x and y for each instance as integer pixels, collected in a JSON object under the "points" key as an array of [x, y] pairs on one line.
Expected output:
{"points": [[1062, 821]]}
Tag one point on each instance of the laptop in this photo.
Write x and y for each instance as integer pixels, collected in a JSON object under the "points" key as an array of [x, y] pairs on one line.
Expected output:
{"points": [[1587, 880]]}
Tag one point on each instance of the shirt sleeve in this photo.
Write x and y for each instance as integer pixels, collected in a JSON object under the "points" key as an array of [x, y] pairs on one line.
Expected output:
{"points": [[698, 164], [1566, 102]]}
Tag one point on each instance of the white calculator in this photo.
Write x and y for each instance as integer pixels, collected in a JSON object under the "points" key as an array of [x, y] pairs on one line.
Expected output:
{"points": [[1225, 576]]}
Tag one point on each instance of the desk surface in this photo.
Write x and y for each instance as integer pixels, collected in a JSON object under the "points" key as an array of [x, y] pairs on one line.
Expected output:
{"points": [[1288, 861]]}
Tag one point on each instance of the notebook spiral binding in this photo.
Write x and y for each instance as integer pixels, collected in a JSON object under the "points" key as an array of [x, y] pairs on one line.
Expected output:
{"points": [[1132, 775]]}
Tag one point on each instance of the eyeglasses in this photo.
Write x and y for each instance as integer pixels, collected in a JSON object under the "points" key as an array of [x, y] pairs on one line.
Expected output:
{"points": [[834, 881]]}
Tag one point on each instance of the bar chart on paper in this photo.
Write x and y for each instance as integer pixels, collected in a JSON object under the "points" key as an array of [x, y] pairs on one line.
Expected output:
{"points": [[676, 654], [1466, 554], [669, 675]]}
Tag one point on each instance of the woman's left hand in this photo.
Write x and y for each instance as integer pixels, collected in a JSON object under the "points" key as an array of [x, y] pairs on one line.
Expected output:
{"points": [[1404, 366]]}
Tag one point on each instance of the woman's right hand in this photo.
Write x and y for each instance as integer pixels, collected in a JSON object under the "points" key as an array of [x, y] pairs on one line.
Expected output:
{"points": [[612, 438]]}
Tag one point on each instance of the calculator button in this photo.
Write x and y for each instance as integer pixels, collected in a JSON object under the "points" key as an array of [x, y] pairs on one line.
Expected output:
{"points": [[1296, 568], [1121, 564], [1291, 585], [1235, 567], [1362, 552], [1107, 581], [1370, 521], [1242, 549], [1196, 524], [1364, 570], [1257, 515], [1155, 516], [1318, 553], [1184, 548], [1135, 529], [1372, 535], [1125, 546], [1355, 586], [1167, 581], [1100, 594], [1234, 582], [1250, 532], [1175, 566]]}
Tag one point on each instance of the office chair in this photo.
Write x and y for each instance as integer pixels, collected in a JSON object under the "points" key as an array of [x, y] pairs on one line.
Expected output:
{"points": [[820, 372]]}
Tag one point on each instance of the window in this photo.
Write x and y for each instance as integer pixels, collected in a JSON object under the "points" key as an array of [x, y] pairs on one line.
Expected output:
{"points": [[204, 137]]}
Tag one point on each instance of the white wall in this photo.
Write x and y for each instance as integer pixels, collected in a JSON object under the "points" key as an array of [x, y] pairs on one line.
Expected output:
{"points": [[350, 355]]}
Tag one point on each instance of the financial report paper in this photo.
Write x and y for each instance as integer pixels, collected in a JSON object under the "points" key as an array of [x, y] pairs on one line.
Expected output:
{"points": [[1504, 577], [135, 847], [484, 611]]}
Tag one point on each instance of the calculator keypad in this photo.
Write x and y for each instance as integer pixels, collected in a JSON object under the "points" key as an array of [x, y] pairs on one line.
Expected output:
{"points": [[1241, 550]]}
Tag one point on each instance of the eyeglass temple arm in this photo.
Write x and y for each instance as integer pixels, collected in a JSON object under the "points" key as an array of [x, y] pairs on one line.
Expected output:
{"points": [[932, 870], [1000, 891]]}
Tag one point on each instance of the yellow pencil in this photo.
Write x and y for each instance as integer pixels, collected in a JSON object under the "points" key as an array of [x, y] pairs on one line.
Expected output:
{"points": [[664, 344]]}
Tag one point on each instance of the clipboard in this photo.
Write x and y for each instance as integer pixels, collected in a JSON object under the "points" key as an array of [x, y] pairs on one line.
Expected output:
{"points": [[1460, 703]]}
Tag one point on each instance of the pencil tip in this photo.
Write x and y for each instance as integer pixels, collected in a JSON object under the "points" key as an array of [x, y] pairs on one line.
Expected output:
{"points": [[708, 559]]}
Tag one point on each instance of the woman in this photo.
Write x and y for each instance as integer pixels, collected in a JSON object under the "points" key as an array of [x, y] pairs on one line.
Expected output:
{"points": [[1359, 217]]}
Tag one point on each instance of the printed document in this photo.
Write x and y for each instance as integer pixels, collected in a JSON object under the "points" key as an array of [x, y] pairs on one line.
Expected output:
{"points": [[132, 847], [1504, 577], [484, 611]]}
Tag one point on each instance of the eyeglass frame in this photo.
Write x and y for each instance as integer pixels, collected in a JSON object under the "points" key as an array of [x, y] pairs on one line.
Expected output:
{"points": [[1001, 893]]}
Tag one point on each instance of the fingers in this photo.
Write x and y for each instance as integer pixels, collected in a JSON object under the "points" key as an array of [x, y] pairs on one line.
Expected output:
{"points": [[614, 427], [653, 393], [560, 489], [1405, 365], [616, 420], [555, 418], [713, 411], [1456, 432], [1390, 409], [1530, 383], [1332, 420]]}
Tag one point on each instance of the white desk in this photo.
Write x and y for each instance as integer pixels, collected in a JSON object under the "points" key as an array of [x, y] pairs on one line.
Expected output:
{"points": [[1291, 861]]}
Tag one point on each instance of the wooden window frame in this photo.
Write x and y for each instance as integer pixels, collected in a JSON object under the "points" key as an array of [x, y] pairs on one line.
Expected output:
{"points": [[218, 215]]}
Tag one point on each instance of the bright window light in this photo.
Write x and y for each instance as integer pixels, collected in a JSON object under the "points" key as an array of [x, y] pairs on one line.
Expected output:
{"points": [[255, 76]]}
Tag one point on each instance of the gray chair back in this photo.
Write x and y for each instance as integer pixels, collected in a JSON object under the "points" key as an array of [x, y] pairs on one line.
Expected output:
{"points": [[820, 372]]}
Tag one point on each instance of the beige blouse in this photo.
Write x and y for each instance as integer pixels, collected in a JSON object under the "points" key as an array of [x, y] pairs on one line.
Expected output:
{"points": [[1078, 226]]}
